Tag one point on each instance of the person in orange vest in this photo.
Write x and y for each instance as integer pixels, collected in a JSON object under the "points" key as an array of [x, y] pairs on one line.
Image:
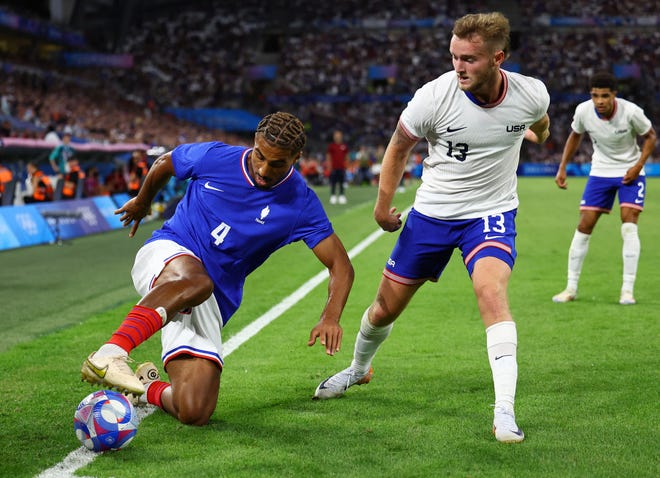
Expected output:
{"points": [[42, 188], [72, 179], [137, 170], [5, 176]]}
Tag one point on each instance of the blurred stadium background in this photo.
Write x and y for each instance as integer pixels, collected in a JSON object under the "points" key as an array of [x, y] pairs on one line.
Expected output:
{"points": [[122, 75]]}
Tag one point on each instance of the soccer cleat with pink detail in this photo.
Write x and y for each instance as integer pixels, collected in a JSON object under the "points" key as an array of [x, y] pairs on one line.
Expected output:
{"points": [[336, 385], [627, 298], [566, 295]]}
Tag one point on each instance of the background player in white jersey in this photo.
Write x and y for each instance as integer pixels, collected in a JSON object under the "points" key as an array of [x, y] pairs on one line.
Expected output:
{"points": [[240, 206], [617, 166], [474, 119]]}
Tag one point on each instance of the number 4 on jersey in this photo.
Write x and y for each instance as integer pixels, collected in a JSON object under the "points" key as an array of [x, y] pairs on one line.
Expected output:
{"points": [[220, 232]]}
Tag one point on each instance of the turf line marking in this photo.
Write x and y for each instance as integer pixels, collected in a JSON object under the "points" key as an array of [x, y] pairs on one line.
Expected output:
{"points": [[81, 457]]}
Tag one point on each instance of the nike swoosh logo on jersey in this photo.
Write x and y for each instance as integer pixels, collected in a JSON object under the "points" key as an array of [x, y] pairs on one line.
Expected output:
{"points": [[450, 130], [492, 237], [207, 185], [639, 201], [98, 371]]}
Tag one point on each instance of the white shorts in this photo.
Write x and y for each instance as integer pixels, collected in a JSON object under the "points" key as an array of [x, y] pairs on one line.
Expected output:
{"points": [[194, 332]]}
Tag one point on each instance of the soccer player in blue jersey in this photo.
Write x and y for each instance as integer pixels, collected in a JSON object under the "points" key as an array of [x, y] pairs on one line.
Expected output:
{"points": [[617, 167], [474, 120], [241, 205]]}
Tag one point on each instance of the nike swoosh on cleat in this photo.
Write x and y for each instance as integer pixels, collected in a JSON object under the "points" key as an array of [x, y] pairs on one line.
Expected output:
{"points": [[449, 130], [100, 372], [497, 357], [207, 185]]}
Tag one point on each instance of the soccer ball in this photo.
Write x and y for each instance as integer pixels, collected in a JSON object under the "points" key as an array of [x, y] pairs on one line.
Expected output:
{"points": [[105, 420]]}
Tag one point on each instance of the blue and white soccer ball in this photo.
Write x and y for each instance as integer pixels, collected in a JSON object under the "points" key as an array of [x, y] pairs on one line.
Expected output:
{"points": [[105, 420]]}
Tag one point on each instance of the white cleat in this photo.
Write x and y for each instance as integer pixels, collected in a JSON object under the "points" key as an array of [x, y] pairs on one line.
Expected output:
{"points": [[505, 428], [565, 296], [342, 199], [336, 386], [333, 199], [627, 298], [112, 372]]}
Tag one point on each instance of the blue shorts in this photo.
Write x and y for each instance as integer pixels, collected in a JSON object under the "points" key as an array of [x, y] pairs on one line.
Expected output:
{"points": [[425, 245], [599, 194]]}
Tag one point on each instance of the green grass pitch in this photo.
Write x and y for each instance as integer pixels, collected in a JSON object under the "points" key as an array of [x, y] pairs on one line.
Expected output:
{"points": [[588, 390]]}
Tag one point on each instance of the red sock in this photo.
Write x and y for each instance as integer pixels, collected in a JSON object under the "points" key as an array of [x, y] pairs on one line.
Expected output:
{"points": [[140, 324], [155, 392]]}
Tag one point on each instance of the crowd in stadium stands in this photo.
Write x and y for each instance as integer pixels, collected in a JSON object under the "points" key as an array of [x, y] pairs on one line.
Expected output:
{"points": [[205, 58]]}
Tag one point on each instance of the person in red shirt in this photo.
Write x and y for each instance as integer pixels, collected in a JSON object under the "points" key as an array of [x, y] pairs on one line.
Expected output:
{"points": [[337, 160]]}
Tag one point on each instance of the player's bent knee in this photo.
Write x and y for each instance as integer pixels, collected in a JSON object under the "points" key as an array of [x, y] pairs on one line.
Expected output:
{"points": [[196, 413]]}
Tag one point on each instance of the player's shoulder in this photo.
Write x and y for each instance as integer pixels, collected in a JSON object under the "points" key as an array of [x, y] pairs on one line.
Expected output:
{"points": [[627, 105], [441, 83], [209, 148], [584, 107], [524, 82]]}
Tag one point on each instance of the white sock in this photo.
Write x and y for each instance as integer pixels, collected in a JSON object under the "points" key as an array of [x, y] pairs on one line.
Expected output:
{"points": [[631, 250], [576, 254], [110, 350], [367, 342], [502, 341]]}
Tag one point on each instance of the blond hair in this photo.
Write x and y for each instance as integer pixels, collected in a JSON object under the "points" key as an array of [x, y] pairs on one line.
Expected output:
{"points": [[493, 28]]}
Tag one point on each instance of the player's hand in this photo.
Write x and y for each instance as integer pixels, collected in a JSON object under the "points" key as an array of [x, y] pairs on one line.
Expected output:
{"points": [[133, 212], [390, 221], [632, 174], [329, 334], [560, 179]]}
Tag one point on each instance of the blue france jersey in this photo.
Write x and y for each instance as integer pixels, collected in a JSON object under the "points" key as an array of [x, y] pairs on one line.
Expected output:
{"points": [[232, 225]]}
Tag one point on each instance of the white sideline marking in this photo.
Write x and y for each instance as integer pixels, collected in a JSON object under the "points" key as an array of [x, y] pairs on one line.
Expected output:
{"points": [[81, 457]]}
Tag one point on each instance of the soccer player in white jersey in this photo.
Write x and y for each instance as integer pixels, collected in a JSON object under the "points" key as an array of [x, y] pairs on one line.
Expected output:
{"points": [[617, 166], [240, 206], [474, 120]]}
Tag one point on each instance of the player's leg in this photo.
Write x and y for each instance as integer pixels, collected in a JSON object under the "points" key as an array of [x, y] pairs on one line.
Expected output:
{"points": [[342, 182], [598, 198], [490, 279], [375, 326], [333, 186], [180, 283], [631, 199], [489, 253], [412, 262], [192, 394], [576, 254], [192, 353], [630, 253]]}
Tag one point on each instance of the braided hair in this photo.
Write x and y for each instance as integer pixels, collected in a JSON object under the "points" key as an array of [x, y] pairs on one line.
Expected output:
{"points": [[283, 130]]}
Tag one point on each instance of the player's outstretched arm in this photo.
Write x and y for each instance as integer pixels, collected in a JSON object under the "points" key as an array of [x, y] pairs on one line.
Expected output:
{"points": [[139, 207], [331, 252]]}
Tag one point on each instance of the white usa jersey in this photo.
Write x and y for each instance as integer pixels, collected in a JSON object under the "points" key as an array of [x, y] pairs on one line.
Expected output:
{"points": [[473, 149], [614, 139]]}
